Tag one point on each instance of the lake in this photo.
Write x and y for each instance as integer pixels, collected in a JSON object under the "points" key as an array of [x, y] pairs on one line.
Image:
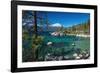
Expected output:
{"points": [[63, 45]]}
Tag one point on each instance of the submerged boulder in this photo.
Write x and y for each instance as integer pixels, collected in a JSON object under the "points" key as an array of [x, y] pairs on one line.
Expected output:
{"points": [[75, 54]]}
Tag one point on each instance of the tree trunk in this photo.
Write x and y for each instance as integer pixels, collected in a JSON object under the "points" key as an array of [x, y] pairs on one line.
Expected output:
{"points": [[35, 31], [35, 23]]}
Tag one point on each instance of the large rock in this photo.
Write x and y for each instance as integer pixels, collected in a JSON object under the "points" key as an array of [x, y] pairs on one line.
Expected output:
{"points": [[49, 43], [57, 34]]}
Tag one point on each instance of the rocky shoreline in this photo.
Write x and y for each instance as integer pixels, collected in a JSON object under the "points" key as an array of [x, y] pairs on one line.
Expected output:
{"points": [[75, 56]]}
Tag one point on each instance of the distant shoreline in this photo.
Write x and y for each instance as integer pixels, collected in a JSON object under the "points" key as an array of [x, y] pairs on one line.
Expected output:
{"points": [[80, 35], [61, 34]]}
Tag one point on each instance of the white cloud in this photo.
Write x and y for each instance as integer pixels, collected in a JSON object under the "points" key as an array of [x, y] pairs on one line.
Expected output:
{"points": [[56, 25]]}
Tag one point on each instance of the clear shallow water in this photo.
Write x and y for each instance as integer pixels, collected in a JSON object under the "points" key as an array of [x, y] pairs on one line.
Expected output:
{"points": [[61, 46]]}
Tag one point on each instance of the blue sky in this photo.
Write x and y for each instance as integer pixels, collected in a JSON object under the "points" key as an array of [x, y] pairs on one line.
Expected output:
{"points": [[67, 19]]}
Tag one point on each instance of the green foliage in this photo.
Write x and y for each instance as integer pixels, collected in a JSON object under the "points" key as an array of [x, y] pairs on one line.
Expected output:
{"points": [[37, 40], [25, 37], [36, 45]]}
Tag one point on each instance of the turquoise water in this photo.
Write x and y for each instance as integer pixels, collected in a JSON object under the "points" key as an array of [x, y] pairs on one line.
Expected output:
{"points": [[63, 45]]}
